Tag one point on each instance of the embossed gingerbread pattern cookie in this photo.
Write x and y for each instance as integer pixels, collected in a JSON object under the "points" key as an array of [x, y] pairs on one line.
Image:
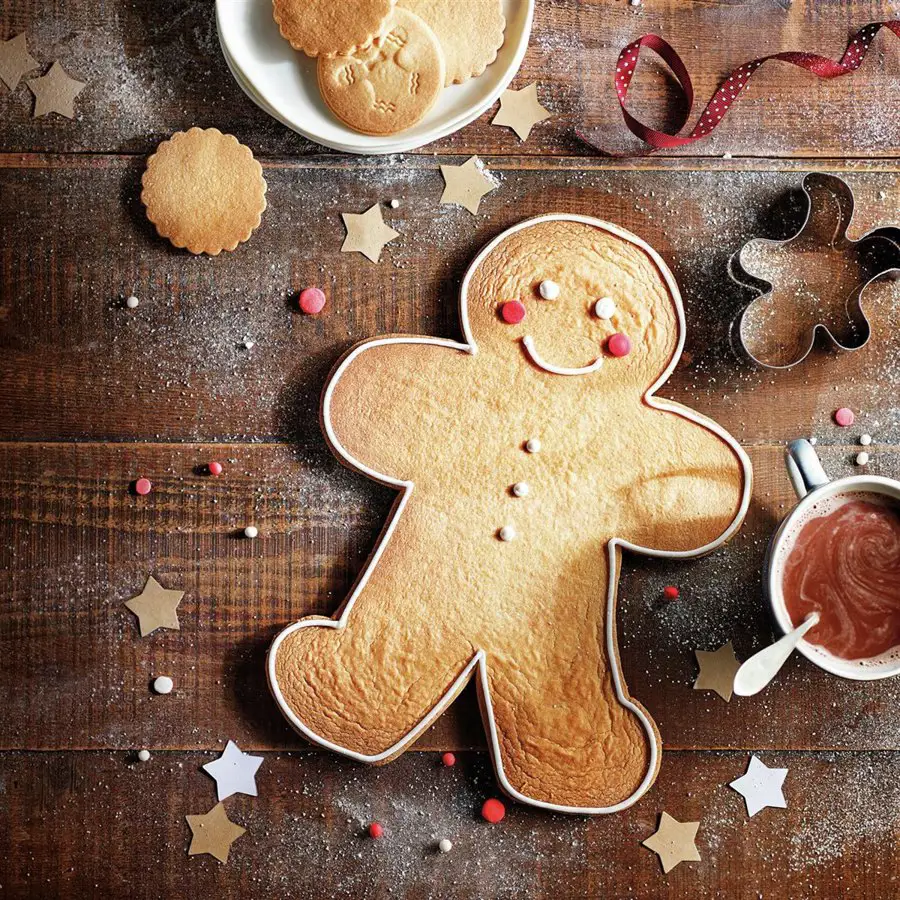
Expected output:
{"points": [[330, 27], [470, 33], [525, 459], [391, 84], [203, 190]]}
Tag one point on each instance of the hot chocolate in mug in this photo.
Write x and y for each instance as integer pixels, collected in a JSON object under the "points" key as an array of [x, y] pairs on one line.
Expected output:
{"points": [[838, 553]]}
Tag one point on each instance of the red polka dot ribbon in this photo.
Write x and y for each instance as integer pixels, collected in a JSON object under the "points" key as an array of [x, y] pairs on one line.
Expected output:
{"points": [[731, 88]]}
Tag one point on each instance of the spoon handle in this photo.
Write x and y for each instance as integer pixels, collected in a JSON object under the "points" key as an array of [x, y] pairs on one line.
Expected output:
{"points": [[763, 666]]}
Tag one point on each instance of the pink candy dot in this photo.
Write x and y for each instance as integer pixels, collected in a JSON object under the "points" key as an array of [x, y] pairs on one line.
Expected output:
{"points": [[493, 811], [670, 592], [512, 312], [844, 417], [619, 344], [376, 830], [311, 300], [448, 759], [143, 486], [215, 468]]}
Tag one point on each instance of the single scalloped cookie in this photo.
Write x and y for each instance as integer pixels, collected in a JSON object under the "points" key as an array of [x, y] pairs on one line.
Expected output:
{"points": [[330, 27], [203, 190], [391, 84], [470, 33]]}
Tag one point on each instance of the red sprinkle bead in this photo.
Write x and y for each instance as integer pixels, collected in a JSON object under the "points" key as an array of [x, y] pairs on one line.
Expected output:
{"points": [[448, 759], [512, 312], [493, 811], [143, 486], [215, 468], [844, 417], [670, 592], [311, 300], [376, 830], [619, 344]]}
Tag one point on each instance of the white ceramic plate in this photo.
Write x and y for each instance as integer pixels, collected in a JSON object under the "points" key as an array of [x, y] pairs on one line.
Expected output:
{"points": [[282, 81]]}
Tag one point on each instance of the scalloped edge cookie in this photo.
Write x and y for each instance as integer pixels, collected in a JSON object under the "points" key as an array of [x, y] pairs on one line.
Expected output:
{"points": [[470, 32], [330, 27], [204, 191]]}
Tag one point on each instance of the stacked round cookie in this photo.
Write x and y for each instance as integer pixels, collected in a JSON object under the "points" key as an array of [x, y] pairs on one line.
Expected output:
{"points": [[381, 63]]}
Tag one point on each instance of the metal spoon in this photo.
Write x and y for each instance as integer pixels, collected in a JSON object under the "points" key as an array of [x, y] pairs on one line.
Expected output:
{"points": [[762, 667]]}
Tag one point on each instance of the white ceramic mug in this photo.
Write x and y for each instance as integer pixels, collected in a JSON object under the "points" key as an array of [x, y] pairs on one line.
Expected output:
{"points": [[813, 486]]}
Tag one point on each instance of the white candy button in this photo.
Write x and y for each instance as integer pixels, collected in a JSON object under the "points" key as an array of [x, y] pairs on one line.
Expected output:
{"points": [[251, 531], [163, 685], [605, 308], [548, 289], [507, 533], [144, 755], [862, 459], [445, 846], [521, 489], [533, 445]]}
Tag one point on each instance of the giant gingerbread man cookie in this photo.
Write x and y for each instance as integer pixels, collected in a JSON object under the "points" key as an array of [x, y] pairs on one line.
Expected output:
{"points": [[526, 458]]}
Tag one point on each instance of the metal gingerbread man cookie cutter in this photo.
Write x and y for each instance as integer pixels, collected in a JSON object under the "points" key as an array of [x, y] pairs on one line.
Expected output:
{"points": [[812, 281]]}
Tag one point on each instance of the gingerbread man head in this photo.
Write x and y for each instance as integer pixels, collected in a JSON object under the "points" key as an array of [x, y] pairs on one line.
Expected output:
{"points": [[525, 458]]}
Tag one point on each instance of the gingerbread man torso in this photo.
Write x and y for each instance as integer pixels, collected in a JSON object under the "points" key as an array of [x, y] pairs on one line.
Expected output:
{"points": [[519, 482]]}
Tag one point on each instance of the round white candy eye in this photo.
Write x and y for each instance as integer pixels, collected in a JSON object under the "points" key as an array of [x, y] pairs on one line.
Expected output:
{"points": [[548, 289], [533, 445], [521, 489], [507, 533], [605, 308]]}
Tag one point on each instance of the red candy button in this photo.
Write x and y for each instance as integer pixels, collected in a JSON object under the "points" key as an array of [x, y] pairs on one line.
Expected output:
{"points": [[670, 592], [143, 486], [619, 344], [215, 468], [448, 759], [493, 811], [311, 300], [376, 830], [844, 417], [512, 312]]}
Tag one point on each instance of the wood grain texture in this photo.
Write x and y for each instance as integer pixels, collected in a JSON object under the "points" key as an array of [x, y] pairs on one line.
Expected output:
{"points": [[79, 543], [154, 67], [77, 365], [103, 823]]}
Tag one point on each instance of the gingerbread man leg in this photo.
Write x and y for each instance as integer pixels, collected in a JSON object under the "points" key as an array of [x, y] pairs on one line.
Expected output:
{"points": [[366, 684], [565, 731]]}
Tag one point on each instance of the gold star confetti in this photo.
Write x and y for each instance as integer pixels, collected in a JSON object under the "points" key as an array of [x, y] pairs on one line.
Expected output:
{"points": [[155, 607], [521, 111], [673, 842], [213, 833], [15, 61], [55, 92], [717, 671], [465, 185], [367, 233]]}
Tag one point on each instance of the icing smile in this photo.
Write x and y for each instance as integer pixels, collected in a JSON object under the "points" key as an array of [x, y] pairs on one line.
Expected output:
{"points": [[528, 344]]}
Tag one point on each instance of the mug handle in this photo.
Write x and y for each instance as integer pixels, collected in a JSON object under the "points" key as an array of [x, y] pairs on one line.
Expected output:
{"points": [[803, 466]]}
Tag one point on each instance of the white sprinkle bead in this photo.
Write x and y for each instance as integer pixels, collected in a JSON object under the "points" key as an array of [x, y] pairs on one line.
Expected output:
{"points": [[251, 531], [395, 203], [862, 459], [445, 846], [163, 685], [865, 439], [521, 489], [507, 533], [814, 441], [132, 302], [548, 289], [605, 308], [249, 345], [144, 755], [533, 445]]}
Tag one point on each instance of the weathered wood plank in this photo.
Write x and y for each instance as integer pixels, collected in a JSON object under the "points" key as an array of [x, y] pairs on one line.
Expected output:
{"points": [[99, 824], [74, 241], [154, 66], [74, 544]]}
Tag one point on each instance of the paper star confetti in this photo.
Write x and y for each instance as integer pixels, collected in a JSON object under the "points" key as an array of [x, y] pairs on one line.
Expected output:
{"points": [[465, 185], [213, 833], [155, 607], [367, 233], [761, 787], [521, 111], [15, 61], [55, 92], [673, 842], [234, 772], [717, 671]]}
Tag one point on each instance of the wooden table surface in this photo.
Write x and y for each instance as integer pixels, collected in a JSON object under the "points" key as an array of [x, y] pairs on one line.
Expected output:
{"points": [[93, 395]]}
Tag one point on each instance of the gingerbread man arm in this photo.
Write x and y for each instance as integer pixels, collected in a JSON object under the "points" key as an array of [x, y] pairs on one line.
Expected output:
{"points": [[691, 465], [391, 441]]}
